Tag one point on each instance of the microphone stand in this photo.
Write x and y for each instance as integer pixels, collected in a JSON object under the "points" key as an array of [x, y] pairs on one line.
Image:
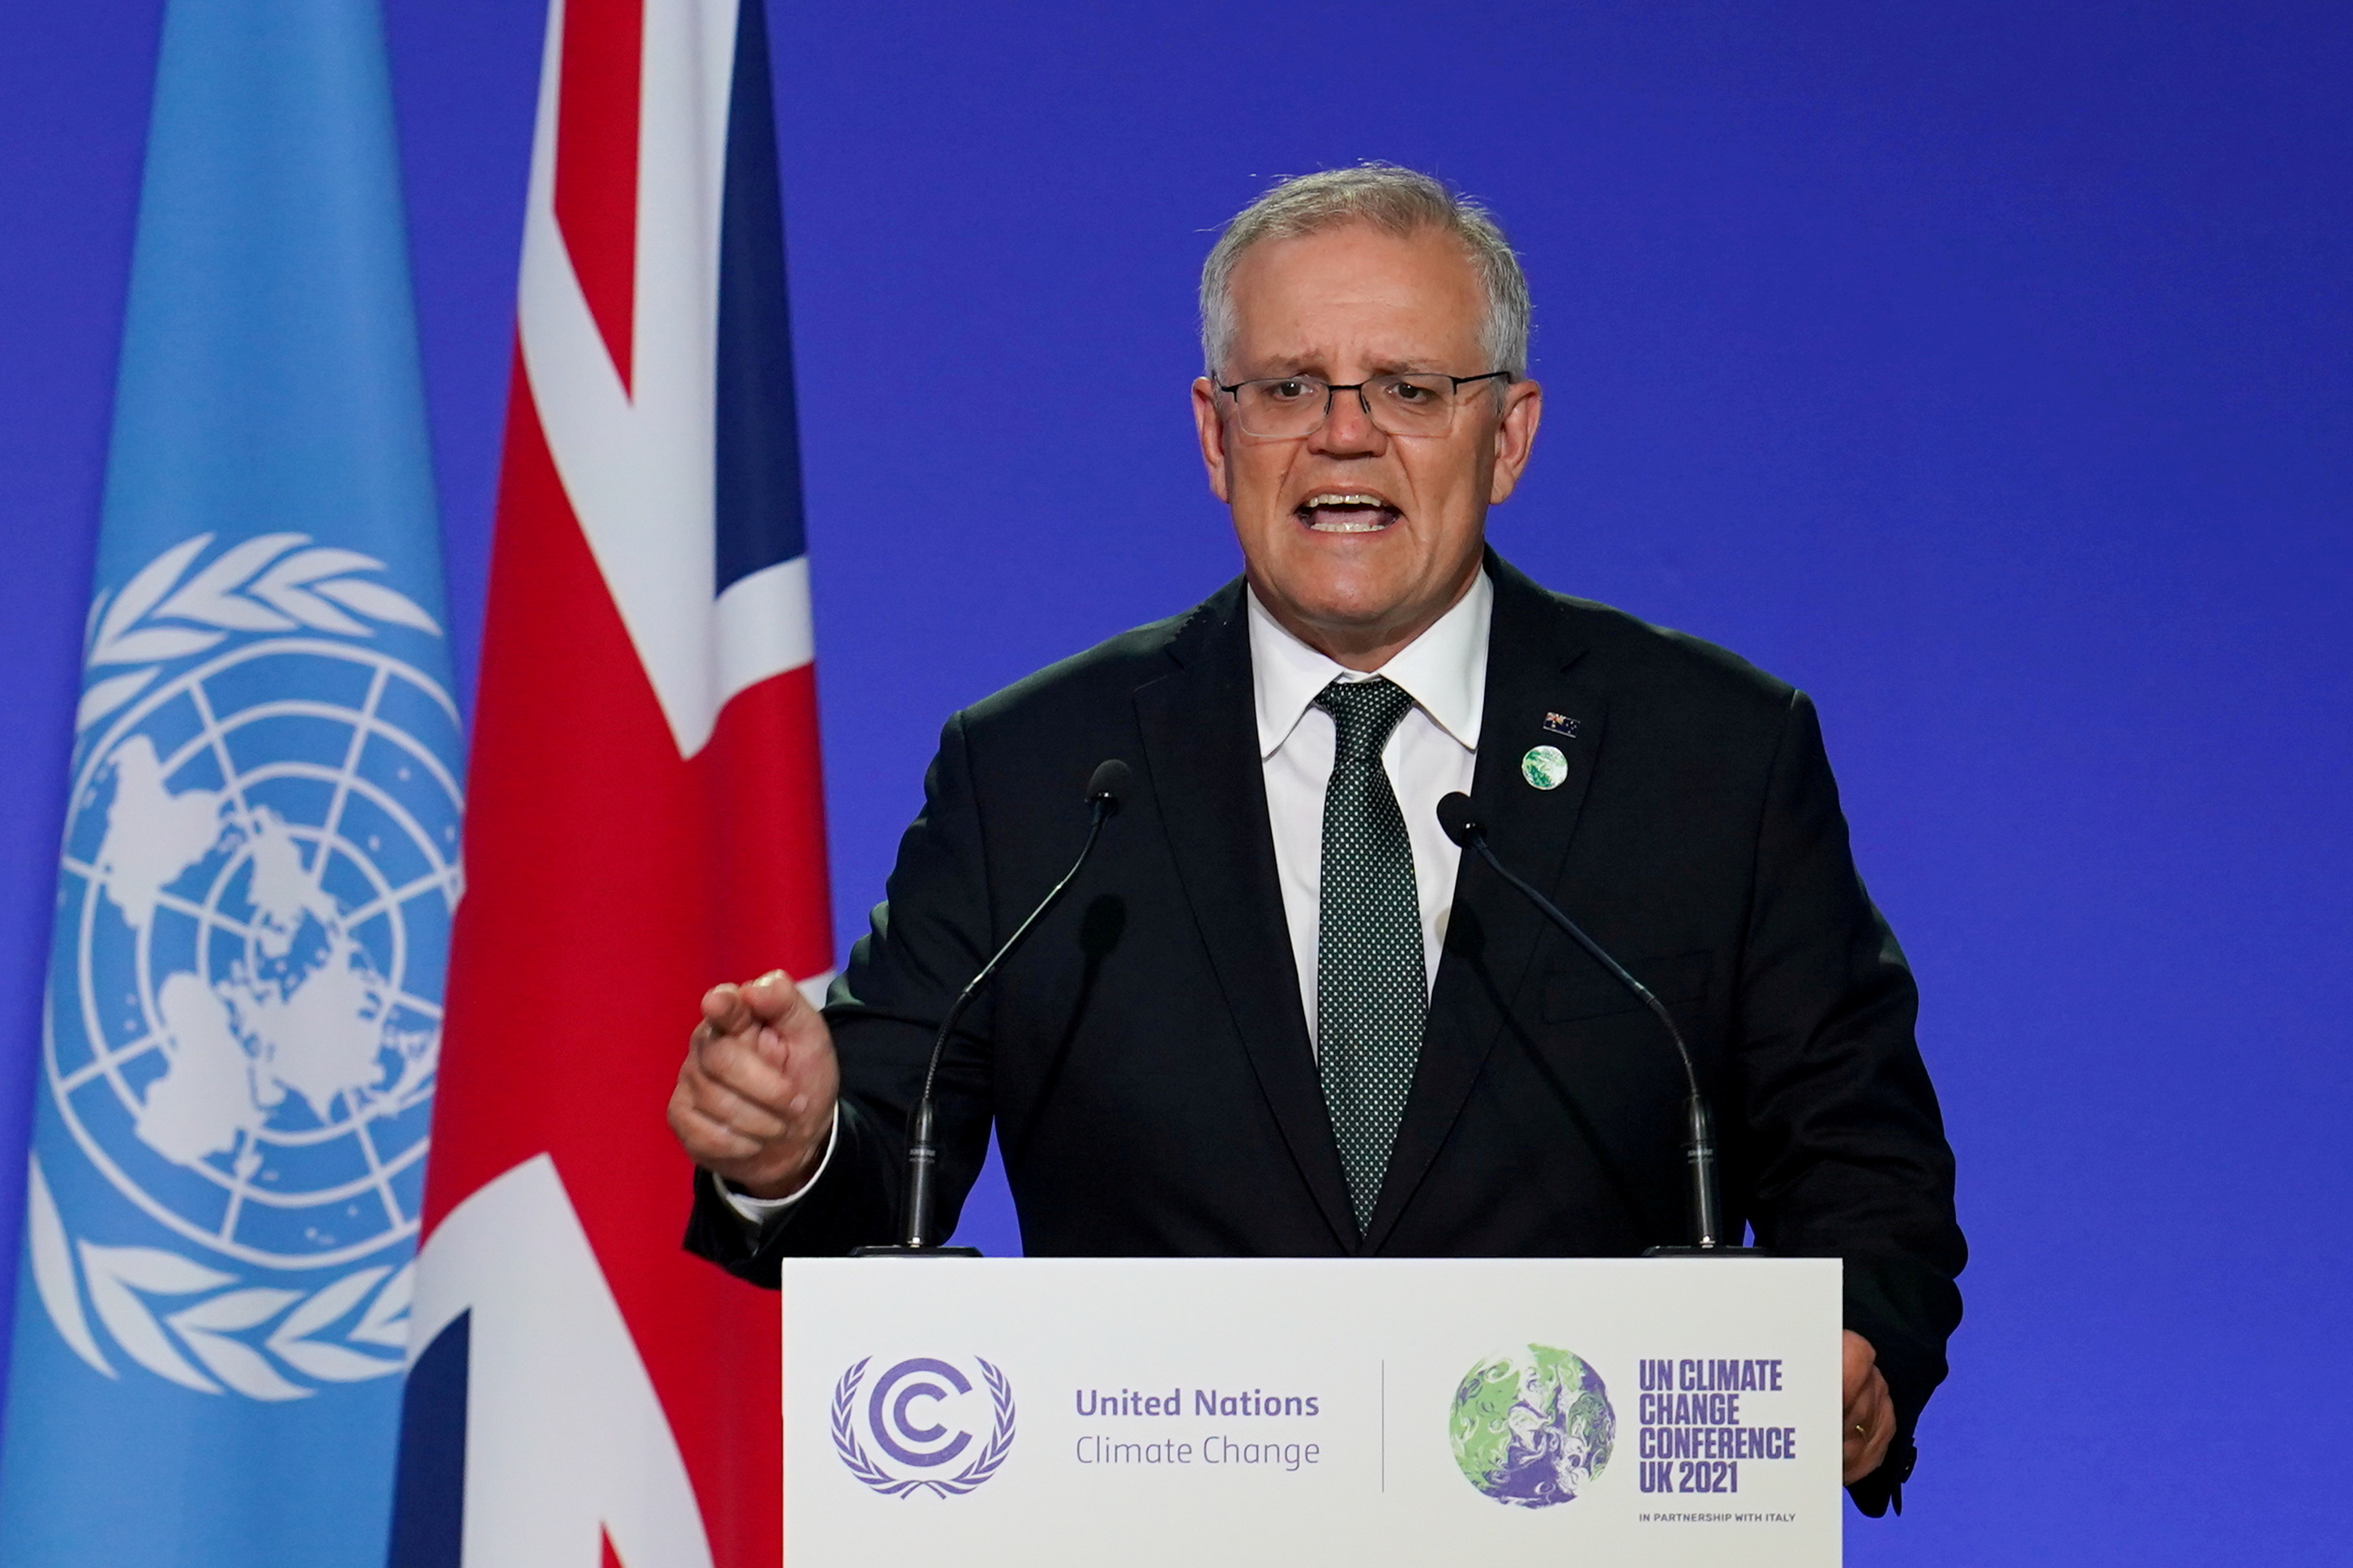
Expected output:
{"points": [[916, 1209], [1462, 825]]}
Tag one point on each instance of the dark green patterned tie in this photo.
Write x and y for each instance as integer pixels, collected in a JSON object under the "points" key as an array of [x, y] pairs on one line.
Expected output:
{"points": [[1370, 986]]}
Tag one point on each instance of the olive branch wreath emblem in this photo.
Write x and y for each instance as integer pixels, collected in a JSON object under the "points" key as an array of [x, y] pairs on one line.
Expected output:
{"points": [[169, 610], [984, 1465], [119, 1279], [272, 583]]}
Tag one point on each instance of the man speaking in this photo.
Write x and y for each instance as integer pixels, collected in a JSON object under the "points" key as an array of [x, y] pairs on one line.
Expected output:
{"points": [[1280, 1014]]}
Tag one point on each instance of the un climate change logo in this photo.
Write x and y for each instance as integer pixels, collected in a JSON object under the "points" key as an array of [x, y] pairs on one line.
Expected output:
{"points": [[244, 1018], [925, 1416], [1532, 1427]]}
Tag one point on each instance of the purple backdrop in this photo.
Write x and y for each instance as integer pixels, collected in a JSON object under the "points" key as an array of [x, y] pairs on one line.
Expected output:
{"points": [[1982, 369]]}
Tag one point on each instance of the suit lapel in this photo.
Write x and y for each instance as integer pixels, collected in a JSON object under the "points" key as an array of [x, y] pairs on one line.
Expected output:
{"points": [[1493, 933], [1200, 741]]}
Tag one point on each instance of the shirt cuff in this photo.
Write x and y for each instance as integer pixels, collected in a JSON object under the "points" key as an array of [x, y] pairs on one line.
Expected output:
{"points": [[758, 1212]]}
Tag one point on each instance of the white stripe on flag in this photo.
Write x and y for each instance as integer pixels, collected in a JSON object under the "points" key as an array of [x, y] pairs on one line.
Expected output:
{"points": [[763, 627]]}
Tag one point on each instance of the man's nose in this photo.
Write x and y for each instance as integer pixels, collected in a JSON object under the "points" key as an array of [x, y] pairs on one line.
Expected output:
{"points": [[1348, 430]]}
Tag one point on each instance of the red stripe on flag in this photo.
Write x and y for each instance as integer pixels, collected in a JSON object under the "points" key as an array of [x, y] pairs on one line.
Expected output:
{"points": [[597, 161], [608, 884], [764, 783]]}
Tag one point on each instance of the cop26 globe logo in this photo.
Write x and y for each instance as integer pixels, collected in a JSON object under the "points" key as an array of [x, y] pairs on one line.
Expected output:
{"points": [[925, 1416], [1532, 1427], [244, 1020]]}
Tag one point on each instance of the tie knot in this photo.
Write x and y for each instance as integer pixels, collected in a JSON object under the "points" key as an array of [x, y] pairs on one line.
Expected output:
{"points": [[1363, 714]]}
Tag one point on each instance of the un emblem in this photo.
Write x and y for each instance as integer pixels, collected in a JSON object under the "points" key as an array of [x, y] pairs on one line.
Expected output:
{"points": [[259, 872], [925, 1416]]}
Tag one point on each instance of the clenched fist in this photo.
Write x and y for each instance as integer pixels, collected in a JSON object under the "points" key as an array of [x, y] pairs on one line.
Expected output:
{"points": [[755, 1099]]}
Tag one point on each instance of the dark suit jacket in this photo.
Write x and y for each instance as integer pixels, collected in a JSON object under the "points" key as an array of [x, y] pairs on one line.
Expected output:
{"points": [[1147, 1062]]}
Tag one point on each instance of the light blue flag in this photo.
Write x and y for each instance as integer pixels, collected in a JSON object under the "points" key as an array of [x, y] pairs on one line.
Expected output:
{"points": [[261, 855]]}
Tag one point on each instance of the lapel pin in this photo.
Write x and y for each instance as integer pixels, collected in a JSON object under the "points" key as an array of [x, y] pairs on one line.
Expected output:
{"points": [[1561, 724], [1543, 767]]}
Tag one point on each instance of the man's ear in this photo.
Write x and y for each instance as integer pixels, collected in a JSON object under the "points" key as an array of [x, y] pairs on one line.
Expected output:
{"points": [[1213, 437], [1515, 438]]}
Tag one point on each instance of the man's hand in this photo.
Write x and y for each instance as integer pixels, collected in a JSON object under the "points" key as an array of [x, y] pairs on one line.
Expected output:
{"points": [[755, 1099], [1870, 1412]]}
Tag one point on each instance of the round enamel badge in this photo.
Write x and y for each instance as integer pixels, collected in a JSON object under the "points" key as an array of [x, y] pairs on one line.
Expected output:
{"points": [[1543, 767]]}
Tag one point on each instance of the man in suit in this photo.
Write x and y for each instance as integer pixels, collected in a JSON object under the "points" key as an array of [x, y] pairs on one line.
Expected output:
{"points": [[1280, 1014]]}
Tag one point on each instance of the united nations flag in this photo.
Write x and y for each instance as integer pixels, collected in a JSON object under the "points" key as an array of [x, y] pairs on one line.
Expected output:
{"points": [[259, 864]]}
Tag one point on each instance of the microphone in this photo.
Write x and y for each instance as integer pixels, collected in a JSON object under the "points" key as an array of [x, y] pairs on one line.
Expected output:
{"points": [[1106, 786], [1461, 820]]}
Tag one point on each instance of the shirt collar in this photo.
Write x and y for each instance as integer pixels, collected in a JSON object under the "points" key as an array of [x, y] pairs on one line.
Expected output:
{"points": [[1444, 670]]}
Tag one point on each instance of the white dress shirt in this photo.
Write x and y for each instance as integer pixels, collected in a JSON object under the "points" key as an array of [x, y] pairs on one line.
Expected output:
{"points": [[1429, 754]]}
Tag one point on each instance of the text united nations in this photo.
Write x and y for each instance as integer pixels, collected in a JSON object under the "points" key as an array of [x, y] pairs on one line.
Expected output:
{"points": [[1243, 1449]]}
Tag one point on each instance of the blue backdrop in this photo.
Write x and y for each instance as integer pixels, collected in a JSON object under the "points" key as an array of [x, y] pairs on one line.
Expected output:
{"points": [[1982, 369]]}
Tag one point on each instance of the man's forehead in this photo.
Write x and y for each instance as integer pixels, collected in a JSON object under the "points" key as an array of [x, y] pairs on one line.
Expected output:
{"points": [[1335, 362], [1360, 290], [1373, 337]]}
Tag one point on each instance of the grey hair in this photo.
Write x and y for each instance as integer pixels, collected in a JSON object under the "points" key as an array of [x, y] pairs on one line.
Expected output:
{"points": [[1402, 202]]}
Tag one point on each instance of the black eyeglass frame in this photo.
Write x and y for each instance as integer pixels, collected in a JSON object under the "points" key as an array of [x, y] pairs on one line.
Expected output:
{"points": [[1363, 402]]}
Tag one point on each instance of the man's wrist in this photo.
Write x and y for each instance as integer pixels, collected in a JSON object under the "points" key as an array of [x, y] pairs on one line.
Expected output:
{"points": [[759, 1210]]}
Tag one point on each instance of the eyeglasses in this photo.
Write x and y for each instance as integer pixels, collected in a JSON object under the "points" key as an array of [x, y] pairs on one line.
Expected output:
{"points": [[1286, 407]]}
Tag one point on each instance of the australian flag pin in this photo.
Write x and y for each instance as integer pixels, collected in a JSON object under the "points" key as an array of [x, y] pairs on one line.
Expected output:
{"points": [[1561, 724]]}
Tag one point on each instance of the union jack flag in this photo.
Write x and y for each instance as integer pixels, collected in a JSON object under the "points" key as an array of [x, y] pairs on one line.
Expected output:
{"points": [[645, 819]]}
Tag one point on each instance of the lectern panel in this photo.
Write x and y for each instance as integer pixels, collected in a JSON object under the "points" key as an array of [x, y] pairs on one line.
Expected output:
{"points": [[1240, 1412]]}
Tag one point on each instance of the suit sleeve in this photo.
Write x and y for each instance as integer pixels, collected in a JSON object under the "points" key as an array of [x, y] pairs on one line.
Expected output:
{"points": [[924, 943], [1842, 1139]]}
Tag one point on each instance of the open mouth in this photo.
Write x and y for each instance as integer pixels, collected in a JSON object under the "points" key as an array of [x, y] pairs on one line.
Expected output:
{"points": [[1346, 512]]}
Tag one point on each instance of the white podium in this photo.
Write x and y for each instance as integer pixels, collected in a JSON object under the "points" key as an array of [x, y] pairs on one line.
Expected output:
{"points": [[1218, 1412]]}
